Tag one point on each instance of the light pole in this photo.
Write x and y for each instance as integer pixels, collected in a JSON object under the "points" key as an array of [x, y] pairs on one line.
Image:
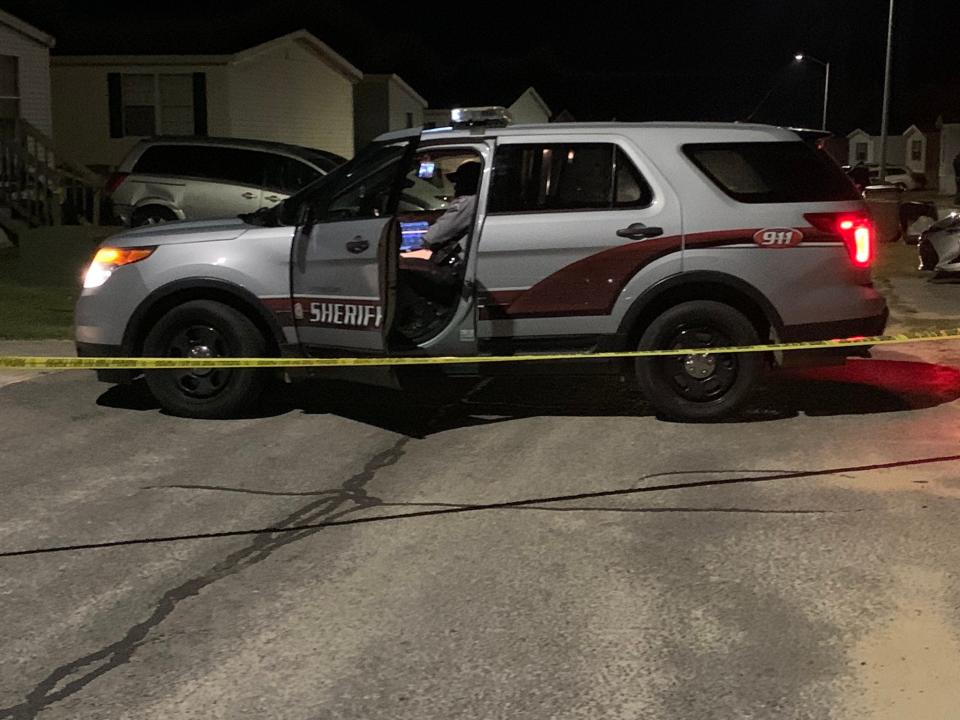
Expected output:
{"points": [[800, 57], [886, 99]]}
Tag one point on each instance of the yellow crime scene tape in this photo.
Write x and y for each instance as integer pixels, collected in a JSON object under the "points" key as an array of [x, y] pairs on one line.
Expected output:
{"points": [[179, 363]]}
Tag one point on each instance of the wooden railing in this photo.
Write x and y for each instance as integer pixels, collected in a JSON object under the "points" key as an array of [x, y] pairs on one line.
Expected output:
{"points": [[41, 186]]}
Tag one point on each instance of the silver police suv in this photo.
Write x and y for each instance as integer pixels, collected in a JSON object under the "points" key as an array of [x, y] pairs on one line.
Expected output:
{"points": [[193, 178], [574, 237]]}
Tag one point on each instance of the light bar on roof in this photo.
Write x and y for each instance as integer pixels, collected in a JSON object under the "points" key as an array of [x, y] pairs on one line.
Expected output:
{"points": [[491, 116]]}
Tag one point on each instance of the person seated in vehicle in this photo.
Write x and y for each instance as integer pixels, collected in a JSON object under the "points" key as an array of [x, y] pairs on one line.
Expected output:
{"points": [[438, 277]]}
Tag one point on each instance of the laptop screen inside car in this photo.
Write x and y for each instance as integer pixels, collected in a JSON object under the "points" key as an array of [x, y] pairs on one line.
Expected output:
{"points": [[411, 233]]}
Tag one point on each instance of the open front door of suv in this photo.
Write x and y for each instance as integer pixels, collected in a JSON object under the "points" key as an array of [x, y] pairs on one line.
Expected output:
{"points": [[344, 253]]}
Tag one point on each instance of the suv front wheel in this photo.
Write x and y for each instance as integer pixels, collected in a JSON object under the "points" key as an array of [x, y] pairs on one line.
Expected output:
{"points": [[205, 329], [698, 387]]}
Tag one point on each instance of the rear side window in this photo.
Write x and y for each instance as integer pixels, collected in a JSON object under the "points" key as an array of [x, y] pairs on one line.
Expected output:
{"points": [[288, 175], [771, 172], [559, 177], [233, 165]]}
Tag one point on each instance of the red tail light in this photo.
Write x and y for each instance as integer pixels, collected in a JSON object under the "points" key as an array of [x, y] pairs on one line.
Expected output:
{"points": [[857, 230], [114, 182]]}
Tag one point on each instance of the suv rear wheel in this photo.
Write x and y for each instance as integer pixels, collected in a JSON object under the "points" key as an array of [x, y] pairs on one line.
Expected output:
{"points": [[698, 387], [203, 329]]}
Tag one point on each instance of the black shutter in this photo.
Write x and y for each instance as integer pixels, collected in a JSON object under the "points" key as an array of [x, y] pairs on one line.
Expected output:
{"points": [[200, 104], [115, 90]]}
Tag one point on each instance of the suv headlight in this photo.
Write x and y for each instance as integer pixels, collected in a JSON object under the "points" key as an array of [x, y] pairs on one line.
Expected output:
{"points": [[109, 259]]}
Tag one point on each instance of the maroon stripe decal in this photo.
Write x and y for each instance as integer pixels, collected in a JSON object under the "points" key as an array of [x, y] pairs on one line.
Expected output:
{"points": [[592, 285]]}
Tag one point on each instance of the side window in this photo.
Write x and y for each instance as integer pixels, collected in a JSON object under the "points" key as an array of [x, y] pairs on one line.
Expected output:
{"points": [[243, 167], [287, 175], [428, 185], [571, 176], [631, 188], [771, 172], [157, 160]]}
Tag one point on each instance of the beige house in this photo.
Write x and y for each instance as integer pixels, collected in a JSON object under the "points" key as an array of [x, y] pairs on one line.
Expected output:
{"points": [[293, 89], [383, 103], [949, 149], [865, 148], [922, 153], [24, 75]]}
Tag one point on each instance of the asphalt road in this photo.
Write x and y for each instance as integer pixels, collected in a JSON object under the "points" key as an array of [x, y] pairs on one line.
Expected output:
{"points": [[535, 549]]}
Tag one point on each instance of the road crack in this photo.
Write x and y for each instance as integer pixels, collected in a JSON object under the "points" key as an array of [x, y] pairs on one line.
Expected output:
{"points": [[72, 677]]}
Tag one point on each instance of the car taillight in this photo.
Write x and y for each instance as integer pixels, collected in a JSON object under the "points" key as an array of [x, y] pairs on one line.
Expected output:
{"points": [[114, 182], [857, 230]]}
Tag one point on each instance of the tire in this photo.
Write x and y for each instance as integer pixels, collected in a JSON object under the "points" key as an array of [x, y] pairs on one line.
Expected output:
{"points": [[204, 328], [152, 215], [683, 388]]}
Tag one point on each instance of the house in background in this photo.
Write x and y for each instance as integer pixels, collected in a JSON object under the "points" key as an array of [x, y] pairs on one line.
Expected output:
{"points": [[24, 75], [865, 148], [922, 153], [38, 185], [383, 103], [528, 108], [292, 89], [949, 126]]}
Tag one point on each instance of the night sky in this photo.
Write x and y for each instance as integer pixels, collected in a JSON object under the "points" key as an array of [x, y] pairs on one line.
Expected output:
{"points": [[679, 60]]}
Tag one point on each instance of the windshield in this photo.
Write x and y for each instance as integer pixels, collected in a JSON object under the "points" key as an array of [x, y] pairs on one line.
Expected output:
{"points": [[289, 211]]}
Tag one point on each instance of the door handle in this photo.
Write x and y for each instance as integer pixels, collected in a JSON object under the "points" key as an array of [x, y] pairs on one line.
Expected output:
{"points": [[358, 245], [249, 195], [639, 231], [272, 198]]}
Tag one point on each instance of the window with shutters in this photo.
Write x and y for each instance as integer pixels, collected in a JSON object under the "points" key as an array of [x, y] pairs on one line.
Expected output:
{"points": [[157, 104], [9, 92], [916, 150]]}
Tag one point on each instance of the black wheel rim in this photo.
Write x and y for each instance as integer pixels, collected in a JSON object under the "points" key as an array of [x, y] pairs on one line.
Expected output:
{"points": [[700, 378], [200, 341]]}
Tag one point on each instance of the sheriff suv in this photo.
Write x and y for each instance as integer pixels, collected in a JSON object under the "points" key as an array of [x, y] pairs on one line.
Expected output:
{"points": [[580, 238]]}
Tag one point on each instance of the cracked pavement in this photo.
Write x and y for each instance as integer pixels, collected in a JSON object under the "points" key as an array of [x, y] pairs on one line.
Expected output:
{"points": [[525, 549]]}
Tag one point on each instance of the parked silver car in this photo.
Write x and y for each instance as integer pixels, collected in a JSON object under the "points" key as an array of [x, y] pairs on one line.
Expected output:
{"points": [[167, 179], [939, 246]]}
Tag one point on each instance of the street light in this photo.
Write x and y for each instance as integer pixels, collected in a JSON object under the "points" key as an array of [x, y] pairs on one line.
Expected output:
{"points": [[800, 57]]}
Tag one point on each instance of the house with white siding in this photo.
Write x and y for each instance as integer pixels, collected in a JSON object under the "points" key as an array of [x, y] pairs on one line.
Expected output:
{"points": [[383, 103], [865, 148], [922, 153], [949, 149], [293, 89], [24, 75]]}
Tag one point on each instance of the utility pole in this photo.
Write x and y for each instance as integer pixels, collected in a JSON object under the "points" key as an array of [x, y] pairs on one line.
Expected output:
{"points": [[886, 99]]}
